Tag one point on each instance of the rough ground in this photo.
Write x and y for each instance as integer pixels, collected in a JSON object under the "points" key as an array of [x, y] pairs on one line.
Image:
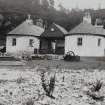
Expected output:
{"points": [[19, 85]]}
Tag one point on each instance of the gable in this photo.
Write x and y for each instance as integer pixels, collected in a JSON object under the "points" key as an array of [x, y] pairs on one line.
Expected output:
{"points": [[53, 32]]}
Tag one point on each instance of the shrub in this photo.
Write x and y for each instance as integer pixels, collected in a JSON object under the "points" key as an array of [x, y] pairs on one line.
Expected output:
{"points": [[20, 80], [97, 86], [94, 92], [48, 88]]}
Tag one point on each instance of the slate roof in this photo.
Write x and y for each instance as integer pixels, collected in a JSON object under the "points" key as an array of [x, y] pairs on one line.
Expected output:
{"points": [[27, 28], [61, 28], [87, 28], [58, 32]]}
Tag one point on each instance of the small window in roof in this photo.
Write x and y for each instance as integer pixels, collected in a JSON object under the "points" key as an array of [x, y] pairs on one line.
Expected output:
{"points": [[52, 29]]}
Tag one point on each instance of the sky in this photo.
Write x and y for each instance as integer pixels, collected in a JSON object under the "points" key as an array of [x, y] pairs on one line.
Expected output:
{"points": [[82, 4]]}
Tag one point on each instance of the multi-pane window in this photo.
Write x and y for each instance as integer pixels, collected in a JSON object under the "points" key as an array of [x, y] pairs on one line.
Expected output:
{"points": [[99, 42], [31, 41], [79, 41], [14, 42]]}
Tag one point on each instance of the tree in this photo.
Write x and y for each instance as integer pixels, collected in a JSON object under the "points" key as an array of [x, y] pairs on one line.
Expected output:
{"points": [[62, 9], [45, 4], [52, 3]]}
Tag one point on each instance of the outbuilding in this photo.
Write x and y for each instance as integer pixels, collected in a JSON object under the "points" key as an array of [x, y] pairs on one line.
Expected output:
{"points": [[85, 39], [24, 39]]}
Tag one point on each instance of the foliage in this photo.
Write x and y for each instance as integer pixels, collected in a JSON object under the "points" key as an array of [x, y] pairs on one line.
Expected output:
{"points": [[20, 80], [48, 88], [94, 92], [97, 86], [14, 12], [52, 3]]}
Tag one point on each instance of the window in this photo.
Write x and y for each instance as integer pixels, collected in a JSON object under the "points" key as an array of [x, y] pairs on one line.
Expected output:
{"points": [[14, 42], [52, 29], [31, 41], [79, 41], [99, 42]]}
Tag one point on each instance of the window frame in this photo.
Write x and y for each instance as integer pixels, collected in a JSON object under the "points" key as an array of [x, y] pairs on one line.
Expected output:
{"points": [[99, 42], [80, 41], [31, 41], [14, 41]]}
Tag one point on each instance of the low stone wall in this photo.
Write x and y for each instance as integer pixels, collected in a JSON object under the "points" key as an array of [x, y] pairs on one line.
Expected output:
{"points": [[93, 58]]}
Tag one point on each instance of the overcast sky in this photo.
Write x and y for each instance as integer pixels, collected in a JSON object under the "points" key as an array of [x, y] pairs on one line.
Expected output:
{"points": [[82, 3]]}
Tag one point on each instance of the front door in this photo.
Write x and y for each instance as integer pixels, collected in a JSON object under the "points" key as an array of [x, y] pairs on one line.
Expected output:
{"points": [[49, 50]]}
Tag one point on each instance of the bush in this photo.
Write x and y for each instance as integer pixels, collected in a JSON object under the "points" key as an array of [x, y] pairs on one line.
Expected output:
{"points": [[20, 80]]}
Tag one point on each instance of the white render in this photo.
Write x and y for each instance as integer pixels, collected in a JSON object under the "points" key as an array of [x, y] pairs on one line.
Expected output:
{"points": [[22, 44], [90, 35], [23, 34], [89, 48]]}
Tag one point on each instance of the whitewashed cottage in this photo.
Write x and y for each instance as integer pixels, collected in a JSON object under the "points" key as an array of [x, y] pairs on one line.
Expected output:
{"points": [[86, 39], [24, 38]]}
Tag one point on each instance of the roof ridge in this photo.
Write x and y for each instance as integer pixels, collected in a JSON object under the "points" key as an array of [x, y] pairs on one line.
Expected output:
{"points": [[61, 28]]}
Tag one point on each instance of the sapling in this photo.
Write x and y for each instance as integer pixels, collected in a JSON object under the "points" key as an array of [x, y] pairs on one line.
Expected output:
{"points": [[97, 86], [48, 87]]}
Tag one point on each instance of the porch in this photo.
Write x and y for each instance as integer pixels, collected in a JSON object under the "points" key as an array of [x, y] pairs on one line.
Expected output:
{"points": [[52, 46]]}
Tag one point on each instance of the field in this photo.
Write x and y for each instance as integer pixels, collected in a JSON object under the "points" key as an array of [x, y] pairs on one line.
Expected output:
{"points": [[22, 85]]}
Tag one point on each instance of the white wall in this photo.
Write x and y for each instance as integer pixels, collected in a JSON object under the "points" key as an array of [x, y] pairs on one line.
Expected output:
{"points": [[22, 44], [89, 48]]}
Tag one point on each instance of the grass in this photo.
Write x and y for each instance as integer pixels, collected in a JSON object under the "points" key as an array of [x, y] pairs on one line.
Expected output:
{"points": [[87, 64], [66, 81], [68, 65]]}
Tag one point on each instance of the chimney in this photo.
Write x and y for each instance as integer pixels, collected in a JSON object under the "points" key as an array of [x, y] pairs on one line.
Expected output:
{"points": [[29, 20], [87, 17]]}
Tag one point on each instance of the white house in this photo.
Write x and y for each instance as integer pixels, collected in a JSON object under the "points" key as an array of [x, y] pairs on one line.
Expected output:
{"points": [[24, 38], [86, 39]]}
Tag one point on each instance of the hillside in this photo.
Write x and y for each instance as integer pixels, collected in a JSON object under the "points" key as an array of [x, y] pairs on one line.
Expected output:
{"points": [[13, 12]]}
